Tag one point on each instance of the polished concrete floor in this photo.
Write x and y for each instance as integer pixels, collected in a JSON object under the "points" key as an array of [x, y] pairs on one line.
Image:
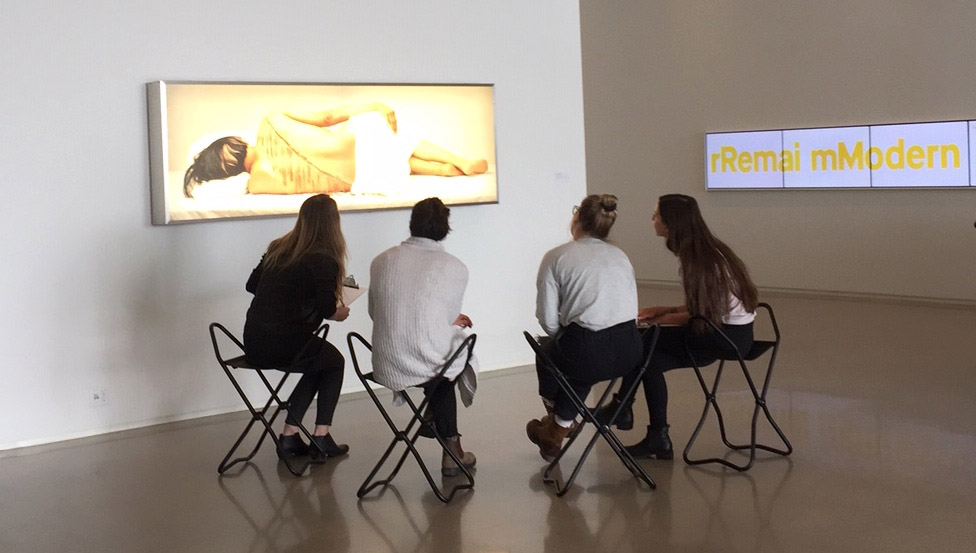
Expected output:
{"points": [[875, 397]]}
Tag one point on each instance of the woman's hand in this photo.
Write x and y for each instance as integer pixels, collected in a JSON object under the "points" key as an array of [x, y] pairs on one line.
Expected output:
{"points": [[341, 313], [463, 321], [387, 112], [649, 314]]}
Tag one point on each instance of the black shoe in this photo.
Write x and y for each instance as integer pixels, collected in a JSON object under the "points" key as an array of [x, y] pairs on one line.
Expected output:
{"points": [[657, 443], [291, 446], [326, 448], [625, 421]]}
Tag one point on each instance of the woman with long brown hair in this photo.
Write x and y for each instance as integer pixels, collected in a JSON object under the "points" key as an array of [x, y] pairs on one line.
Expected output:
{"points": [[717, 286], [297, 284]]}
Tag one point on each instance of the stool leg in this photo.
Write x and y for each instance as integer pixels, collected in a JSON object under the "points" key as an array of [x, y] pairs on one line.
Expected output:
{"points": [[710, 401], [259, 415], [601, 430], [760, 399], [411, 449]]}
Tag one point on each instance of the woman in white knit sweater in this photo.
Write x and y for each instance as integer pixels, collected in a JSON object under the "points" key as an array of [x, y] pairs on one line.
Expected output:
{"points": [[415, 295]]}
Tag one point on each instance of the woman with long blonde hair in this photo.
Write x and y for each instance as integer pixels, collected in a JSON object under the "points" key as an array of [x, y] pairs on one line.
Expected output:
{"points": [[297, 284]]}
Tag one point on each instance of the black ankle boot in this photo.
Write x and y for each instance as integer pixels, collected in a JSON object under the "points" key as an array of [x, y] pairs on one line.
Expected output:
{"points": [[291, 446], [626, 419], [657, 443], [327, 447]]}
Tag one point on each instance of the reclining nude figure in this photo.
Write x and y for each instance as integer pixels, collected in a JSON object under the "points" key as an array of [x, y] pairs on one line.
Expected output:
{"points": [[320, 152]]}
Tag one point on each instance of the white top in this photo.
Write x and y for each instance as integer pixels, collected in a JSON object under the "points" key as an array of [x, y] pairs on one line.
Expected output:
{"points": [[737, 314], [588, 282], [415, 294]]}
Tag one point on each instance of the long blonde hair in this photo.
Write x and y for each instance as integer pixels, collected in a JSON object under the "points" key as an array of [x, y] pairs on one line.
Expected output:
{"points": [[317, 230]]}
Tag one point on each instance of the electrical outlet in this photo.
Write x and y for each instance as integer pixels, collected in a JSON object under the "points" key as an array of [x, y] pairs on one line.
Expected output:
{"points": [[97, 397]]}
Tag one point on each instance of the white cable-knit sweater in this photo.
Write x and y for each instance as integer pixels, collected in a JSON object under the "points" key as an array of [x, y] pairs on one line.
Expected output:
{"points": [[415, 294]]}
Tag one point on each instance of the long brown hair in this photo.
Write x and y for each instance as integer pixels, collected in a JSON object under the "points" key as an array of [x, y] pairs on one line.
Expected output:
{"points": [[710, 270], [317, 230]]}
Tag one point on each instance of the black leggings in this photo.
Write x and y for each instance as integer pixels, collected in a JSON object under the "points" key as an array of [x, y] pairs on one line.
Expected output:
{"points": [[587, 357], [442, 404], [671, 353], [321, 366]]}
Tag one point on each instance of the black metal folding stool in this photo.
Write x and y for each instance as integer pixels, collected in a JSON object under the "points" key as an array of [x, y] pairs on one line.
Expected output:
{"points": [[240, 362], [588, 415], [759, 347], [404, 435]]}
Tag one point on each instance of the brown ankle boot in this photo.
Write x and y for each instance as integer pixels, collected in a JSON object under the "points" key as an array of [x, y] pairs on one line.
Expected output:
{"points": [[448, 466], [548, 435]]}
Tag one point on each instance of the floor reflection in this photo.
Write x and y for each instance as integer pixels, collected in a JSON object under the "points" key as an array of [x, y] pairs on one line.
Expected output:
{"points": [[289, 515], [421, 524]]}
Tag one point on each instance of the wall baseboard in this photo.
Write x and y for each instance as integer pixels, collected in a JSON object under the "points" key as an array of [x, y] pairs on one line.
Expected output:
{"points": [[949, 303], [29, 447]]}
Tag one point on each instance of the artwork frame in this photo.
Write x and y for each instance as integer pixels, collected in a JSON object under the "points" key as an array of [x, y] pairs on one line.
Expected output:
{"points": [[370, 146]]}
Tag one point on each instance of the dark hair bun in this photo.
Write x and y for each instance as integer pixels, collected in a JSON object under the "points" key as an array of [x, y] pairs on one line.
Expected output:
{"points": [[608, 202]]}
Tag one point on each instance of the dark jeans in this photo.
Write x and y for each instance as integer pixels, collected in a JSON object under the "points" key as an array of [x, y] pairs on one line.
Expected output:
{"points": [[442, 405], [671, 353], [587, 357], [321, 366]]}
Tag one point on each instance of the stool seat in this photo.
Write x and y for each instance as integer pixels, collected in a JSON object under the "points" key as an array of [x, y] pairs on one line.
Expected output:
{"points": [[759, 347], [241, 362]]}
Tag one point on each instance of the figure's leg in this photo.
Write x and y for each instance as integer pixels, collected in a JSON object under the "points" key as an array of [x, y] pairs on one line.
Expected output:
{"points": [[431, 152], [424, 167]]}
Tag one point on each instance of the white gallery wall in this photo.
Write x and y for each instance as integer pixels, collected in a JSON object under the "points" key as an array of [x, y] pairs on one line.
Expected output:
{"points": [[92, 297], [659, 74]]}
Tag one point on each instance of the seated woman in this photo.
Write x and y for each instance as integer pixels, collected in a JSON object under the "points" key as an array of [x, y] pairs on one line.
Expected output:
{"points": [[296, 285], [317, 152], [717, 286], [586, 301], [415, 294]]}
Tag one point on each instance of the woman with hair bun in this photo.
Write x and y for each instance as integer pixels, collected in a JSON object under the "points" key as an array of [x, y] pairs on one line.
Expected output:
{"points": [[587, 298]]}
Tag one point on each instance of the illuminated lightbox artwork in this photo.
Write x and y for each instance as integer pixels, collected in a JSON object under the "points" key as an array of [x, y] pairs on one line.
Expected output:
{"points": [[912, 155], [234, 150]]}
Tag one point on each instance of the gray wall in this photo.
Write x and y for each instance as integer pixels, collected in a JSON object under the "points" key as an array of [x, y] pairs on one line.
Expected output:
{"points": [[659, 74], [93, 297]]}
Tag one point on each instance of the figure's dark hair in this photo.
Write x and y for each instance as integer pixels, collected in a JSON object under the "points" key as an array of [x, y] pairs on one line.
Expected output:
{"points": [[429, 219], [221, 159], [597, 213], [710, 270]]}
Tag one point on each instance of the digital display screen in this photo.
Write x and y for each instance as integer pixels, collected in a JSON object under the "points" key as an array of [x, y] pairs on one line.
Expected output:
{"points": [[915, 155]]}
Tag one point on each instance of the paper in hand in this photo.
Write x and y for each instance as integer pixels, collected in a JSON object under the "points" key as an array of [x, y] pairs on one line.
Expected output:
{"points": [[350, 294], [350, 290]]}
